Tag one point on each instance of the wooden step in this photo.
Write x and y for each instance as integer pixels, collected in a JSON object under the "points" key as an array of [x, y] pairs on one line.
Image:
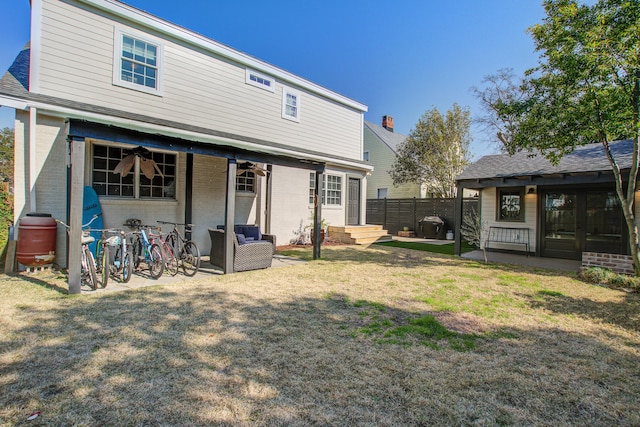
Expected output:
{"points": [[359, 234]]}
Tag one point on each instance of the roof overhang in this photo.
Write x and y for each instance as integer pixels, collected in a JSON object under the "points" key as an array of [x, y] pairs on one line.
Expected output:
{"points": [[555, 179], [201, 140]]}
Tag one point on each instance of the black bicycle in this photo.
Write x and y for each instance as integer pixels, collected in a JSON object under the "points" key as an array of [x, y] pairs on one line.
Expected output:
{"points": [[186, 251]]}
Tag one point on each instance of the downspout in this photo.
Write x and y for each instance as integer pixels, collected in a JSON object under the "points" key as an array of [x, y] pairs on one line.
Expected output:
{"points": [[33, 112]]}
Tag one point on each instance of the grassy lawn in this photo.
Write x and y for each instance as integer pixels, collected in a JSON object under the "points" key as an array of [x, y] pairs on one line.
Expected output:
{"points": [[446, 249], [365, 336]]}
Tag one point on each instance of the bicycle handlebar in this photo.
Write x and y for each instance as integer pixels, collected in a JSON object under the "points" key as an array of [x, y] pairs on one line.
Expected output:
{"points": [[174, 223], [93, 218]]}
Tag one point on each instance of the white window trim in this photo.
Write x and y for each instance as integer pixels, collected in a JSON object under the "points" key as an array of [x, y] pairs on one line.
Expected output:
{"points": [[249, 81], [117, 55], [285, 92], [322, 193]]}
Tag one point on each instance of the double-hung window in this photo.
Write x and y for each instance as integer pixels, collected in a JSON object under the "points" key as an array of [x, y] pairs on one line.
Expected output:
{"points": [[137, 62], [134, 184], [290, 104], [331, 190]]}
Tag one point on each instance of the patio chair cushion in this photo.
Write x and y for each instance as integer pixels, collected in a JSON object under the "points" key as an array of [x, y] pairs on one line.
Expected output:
{"points": [[241, 238]]}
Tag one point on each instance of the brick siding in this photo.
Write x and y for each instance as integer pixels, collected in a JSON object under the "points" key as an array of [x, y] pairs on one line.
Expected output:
{"points": [[621, 264]]}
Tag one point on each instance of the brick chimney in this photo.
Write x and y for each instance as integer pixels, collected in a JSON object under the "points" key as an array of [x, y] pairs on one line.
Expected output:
{"points": [[387, 123]]}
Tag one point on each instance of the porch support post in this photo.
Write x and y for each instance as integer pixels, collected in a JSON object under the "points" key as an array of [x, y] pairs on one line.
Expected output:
{"points": [[267, 202], [317, 214], [75, 214], [188, 197], [457, 248], [230, 212]]}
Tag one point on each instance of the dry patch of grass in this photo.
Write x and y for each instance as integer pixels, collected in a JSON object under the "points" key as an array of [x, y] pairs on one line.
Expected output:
{"points": [[365, 336]]}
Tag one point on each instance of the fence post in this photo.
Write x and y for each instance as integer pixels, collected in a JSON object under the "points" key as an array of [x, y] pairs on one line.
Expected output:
{"points": [[384, 217], [415, 202]]}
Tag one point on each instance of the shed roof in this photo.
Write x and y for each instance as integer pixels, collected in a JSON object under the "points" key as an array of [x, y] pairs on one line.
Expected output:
{"points": [[586, 158]]}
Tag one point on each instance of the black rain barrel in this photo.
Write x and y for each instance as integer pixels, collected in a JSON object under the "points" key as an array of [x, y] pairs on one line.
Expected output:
{"points": [[432, 227], [36, 240]]}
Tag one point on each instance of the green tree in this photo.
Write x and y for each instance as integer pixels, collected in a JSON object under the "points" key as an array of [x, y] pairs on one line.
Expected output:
{"points": [[586, 88], [6, 155], [435, 152], [6, 181]]}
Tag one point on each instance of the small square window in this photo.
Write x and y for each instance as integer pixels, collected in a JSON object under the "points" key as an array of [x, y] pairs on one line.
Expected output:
{"points": [[246, 182], [511, 205], [290, 105]]}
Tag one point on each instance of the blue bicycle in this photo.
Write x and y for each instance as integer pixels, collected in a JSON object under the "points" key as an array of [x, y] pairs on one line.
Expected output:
{"points": [[145, 250]]}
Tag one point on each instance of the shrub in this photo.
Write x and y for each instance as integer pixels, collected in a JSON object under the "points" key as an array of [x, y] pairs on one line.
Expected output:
{"points": [[604, 276]]}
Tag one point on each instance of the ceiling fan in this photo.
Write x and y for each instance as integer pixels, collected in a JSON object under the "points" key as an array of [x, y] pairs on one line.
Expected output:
{"points": [[147, 164], [251, 167]]}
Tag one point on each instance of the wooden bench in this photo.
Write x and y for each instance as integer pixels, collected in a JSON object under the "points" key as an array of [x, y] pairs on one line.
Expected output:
{"points": [[508, 235]]}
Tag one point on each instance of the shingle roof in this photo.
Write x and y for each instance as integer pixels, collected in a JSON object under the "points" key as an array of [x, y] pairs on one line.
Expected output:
{"points": [[391, 139], [16, 79], [586, 158]]}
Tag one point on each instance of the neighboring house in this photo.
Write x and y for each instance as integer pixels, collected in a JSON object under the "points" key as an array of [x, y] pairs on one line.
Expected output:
{"points": [[100, 78], [569, 209], [380, 150]]}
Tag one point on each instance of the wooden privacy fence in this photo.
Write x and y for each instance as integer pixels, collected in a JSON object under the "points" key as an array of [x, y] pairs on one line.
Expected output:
{"points": [[395, 214]]}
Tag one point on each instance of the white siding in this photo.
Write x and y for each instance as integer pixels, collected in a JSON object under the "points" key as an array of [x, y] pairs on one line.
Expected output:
{"points": [[488, 209], [198, 88]]}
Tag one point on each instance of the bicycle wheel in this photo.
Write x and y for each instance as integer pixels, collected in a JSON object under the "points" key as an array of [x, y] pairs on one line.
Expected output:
{"points": [[127, 267], [172, 241], [156, 261], [89, 265], [137, 251], [104, 266], [190, 258], [170, 260]]}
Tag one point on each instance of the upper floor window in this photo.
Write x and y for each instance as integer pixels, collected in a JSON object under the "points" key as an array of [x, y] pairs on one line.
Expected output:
{"points": [[254, 78], [153, 177], [137, 63], [365, 156], [290, 104], [246, 182]]}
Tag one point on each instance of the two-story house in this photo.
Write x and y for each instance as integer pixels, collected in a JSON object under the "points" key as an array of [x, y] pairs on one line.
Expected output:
{"points": [[380, 150], [99, 79]]}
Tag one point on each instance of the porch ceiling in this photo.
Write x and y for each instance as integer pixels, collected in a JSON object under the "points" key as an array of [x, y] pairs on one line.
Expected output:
{"points": [[80, 129]]}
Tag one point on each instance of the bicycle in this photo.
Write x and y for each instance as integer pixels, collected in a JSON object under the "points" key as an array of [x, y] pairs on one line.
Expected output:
{"points": [[88, 273], [114, 255], [168, 255], [144, 250], [186, 251]]}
